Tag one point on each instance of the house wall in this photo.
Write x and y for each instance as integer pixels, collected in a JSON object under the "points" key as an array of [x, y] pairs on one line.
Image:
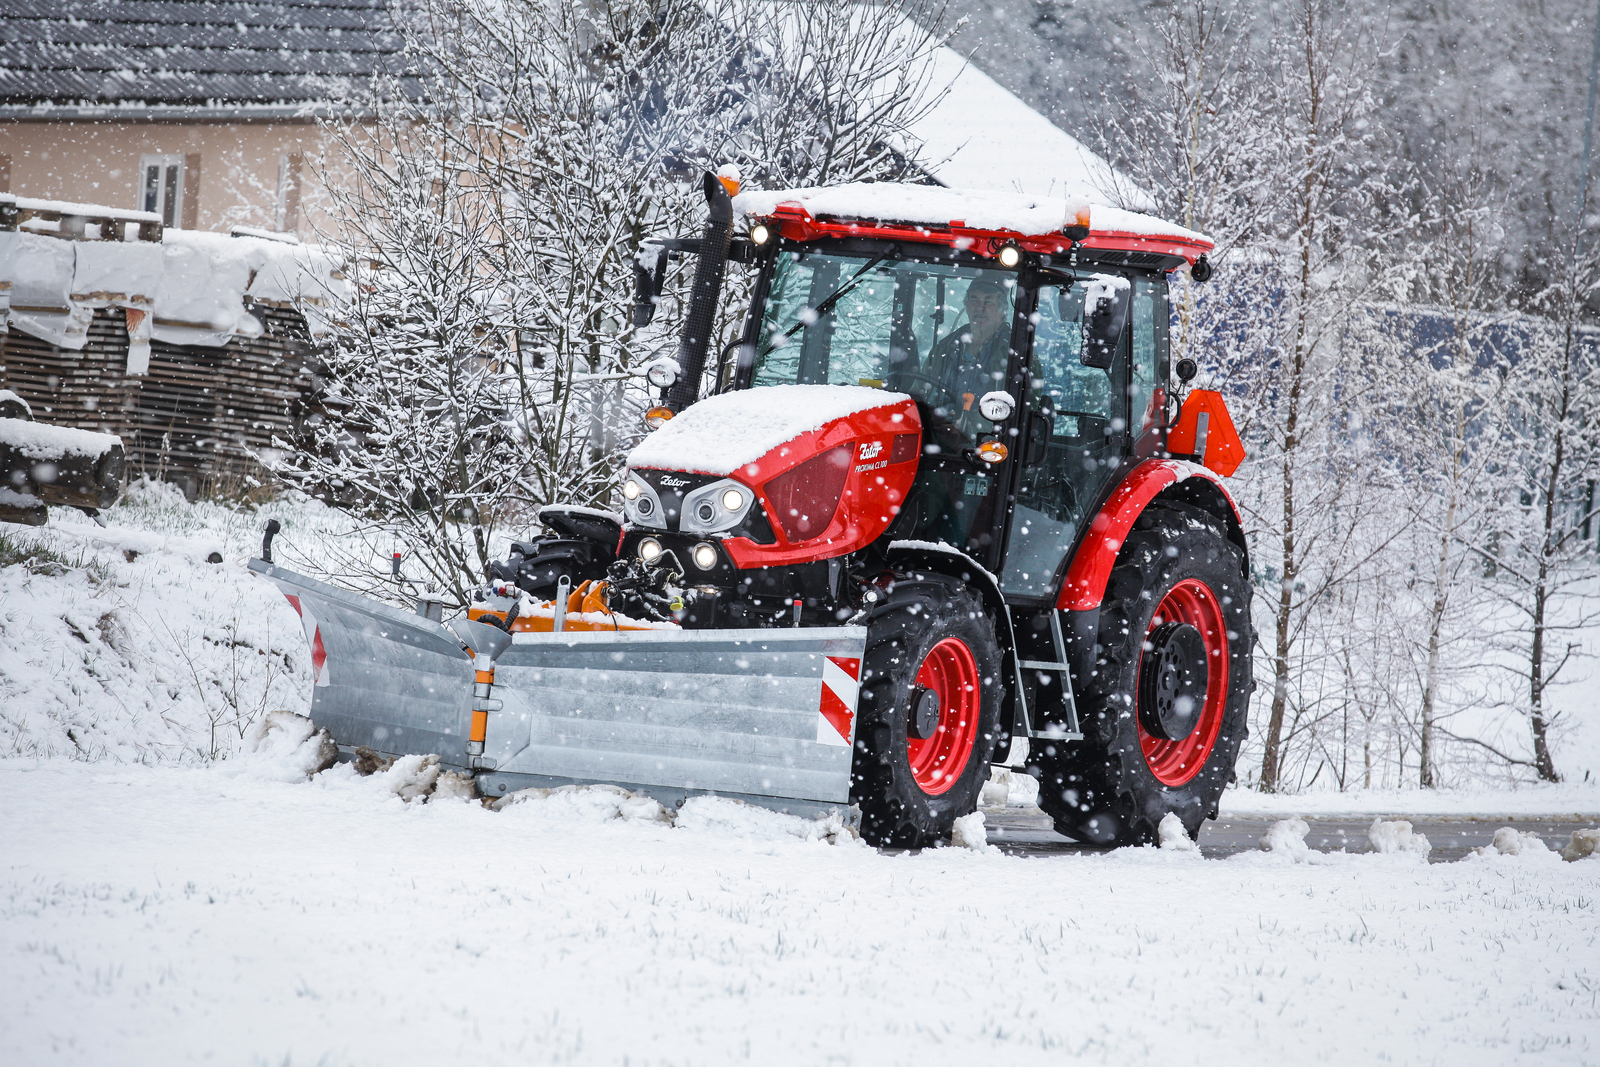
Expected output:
{"points": [[249, 174]]}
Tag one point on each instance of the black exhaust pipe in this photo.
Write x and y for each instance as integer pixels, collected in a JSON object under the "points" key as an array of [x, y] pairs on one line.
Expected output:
{"points": [[701, 318]]}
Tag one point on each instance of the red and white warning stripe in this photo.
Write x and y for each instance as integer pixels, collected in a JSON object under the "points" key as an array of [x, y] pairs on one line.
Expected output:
{"points": [[839, 686], [319, 655]]}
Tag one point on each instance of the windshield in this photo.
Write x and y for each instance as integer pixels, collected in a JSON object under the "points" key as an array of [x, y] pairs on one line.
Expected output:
{"points": [[940, 333]]}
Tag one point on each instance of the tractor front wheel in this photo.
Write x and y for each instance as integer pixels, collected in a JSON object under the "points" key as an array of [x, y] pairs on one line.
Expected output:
{"points": [[928, 709], [1164, 714]]}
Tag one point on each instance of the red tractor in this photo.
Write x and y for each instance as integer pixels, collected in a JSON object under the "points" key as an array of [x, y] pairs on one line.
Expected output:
{"points": [[943, 499], [950, 416]]}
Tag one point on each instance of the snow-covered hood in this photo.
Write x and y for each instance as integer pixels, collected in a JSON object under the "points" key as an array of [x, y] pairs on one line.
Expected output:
{"points": [[722, 433]]}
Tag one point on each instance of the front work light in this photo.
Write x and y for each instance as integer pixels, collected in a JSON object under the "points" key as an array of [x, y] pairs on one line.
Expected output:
{"points": [[705, 556], [1010, 254], [657, 417], [759, 234], [996, 406], [649, 550]]}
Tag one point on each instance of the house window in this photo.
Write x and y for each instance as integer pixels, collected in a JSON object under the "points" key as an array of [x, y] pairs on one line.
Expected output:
{"points": [[161, 187], [286, 215]]}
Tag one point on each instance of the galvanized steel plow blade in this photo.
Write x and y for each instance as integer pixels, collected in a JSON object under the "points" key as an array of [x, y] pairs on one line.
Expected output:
{"points": [[767, 715]]}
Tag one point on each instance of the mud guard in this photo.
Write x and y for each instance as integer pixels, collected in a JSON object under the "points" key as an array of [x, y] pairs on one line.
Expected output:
{"points": [[763, 715]]}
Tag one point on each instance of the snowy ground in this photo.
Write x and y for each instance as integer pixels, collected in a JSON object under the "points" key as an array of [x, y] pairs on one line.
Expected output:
{"points": [[166, 897], [160, 915]]}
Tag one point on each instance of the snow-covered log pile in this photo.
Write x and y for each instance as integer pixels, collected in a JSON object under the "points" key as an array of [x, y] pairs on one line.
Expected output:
{"points": [[186, 288]]}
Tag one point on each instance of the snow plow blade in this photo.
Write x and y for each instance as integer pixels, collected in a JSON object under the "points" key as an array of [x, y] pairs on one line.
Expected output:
{"points": [[763, 715]]}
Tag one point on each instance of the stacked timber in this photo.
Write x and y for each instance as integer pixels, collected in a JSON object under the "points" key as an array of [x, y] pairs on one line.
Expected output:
{"points": [[197, 349], [199, 417]]}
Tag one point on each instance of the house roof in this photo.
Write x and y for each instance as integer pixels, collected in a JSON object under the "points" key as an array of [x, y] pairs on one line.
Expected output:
{"points": [[94, 55], [275, 59], [980, 135]]}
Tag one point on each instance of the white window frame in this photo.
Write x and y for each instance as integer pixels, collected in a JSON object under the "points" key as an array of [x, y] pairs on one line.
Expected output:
{"points": [[167, 198]]}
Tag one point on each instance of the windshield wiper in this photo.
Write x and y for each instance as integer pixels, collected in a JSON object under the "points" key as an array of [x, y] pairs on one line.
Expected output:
{"points": [[837, 295]]}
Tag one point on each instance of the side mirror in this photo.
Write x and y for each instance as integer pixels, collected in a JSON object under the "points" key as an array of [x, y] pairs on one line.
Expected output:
{"points": [[1105, 315], [649, 275]]}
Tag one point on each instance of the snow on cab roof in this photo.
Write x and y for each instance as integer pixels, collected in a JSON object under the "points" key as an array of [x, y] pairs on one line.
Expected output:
{"points": [[982, 210]]}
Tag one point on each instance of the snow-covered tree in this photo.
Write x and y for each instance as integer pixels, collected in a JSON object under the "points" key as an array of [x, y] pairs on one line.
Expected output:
{"points": [[488, 367], [1543, 545]]}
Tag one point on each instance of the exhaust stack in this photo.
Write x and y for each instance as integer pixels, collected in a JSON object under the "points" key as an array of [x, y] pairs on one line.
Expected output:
{"points": [[702, 315]]}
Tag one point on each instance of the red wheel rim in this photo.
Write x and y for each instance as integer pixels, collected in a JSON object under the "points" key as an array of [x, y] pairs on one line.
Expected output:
{"points": [[1176, 762], [952, 674]]}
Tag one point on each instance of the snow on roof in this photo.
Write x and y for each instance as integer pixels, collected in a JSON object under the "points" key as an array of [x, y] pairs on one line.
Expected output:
{"points": [[193, 284], [980, 135], [722, 433], [976, 209], [976, 134]]}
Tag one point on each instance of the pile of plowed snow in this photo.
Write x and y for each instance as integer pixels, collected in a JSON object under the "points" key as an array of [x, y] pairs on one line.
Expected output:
{"points": [[148, 639]]}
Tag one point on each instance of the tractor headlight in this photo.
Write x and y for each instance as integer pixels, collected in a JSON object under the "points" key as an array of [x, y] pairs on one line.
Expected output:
{"points": [[759, 234], [705, 556], [640, 504], [662, 373], [715, 508], [649, 550], [1010, 254]]}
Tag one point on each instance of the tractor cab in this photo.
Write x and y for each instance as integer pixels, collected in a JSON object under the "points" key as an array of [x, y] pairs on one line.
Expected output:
{"points": [[1020, 435], [1031, 334]]}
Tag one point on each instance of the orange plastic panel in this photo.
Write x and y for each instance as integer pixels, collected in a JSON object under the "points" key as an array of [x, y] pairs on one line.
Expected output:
{"points": [[589, 599], [1224, 451]]}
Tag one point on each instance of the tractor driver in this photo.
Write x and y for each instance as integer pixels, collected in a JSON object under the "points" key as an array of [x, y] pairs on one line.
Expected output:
{"points": [[971, 360]]}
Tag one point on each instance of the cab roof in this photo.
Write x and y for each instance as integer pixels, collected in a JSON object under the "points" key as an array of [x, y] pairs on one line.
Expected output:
{"points": [[978, 221]]}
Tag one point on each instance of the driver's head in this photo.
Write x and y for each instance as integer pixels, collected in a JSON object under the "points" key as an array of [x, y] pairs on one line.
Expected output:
{"points": [[987, 303]]}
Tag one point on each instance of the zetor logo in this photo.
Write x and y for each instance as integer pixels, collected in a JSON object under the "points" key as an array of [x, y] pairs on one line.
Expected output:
{"points": [[673, 483], [870, 449]]}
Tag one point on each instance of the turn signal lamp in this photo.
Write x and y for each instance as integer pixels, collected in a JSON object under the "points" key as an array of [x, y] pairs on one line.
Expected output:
{"points": [[992, 452], [657, 417], [759, 234], [728, 175], [1010, 254]]}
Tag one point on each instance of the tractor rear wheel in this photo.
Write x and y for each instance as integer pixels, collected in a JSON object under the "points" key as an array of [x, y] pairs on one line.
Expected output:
{"points": [[927, 713], [1164, 715]]}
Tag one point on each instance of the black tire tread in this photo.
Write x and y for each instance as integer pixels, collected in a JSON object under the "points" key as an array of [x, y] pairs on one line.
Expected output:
{"points": [[1100, 789], [915, 614]]}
